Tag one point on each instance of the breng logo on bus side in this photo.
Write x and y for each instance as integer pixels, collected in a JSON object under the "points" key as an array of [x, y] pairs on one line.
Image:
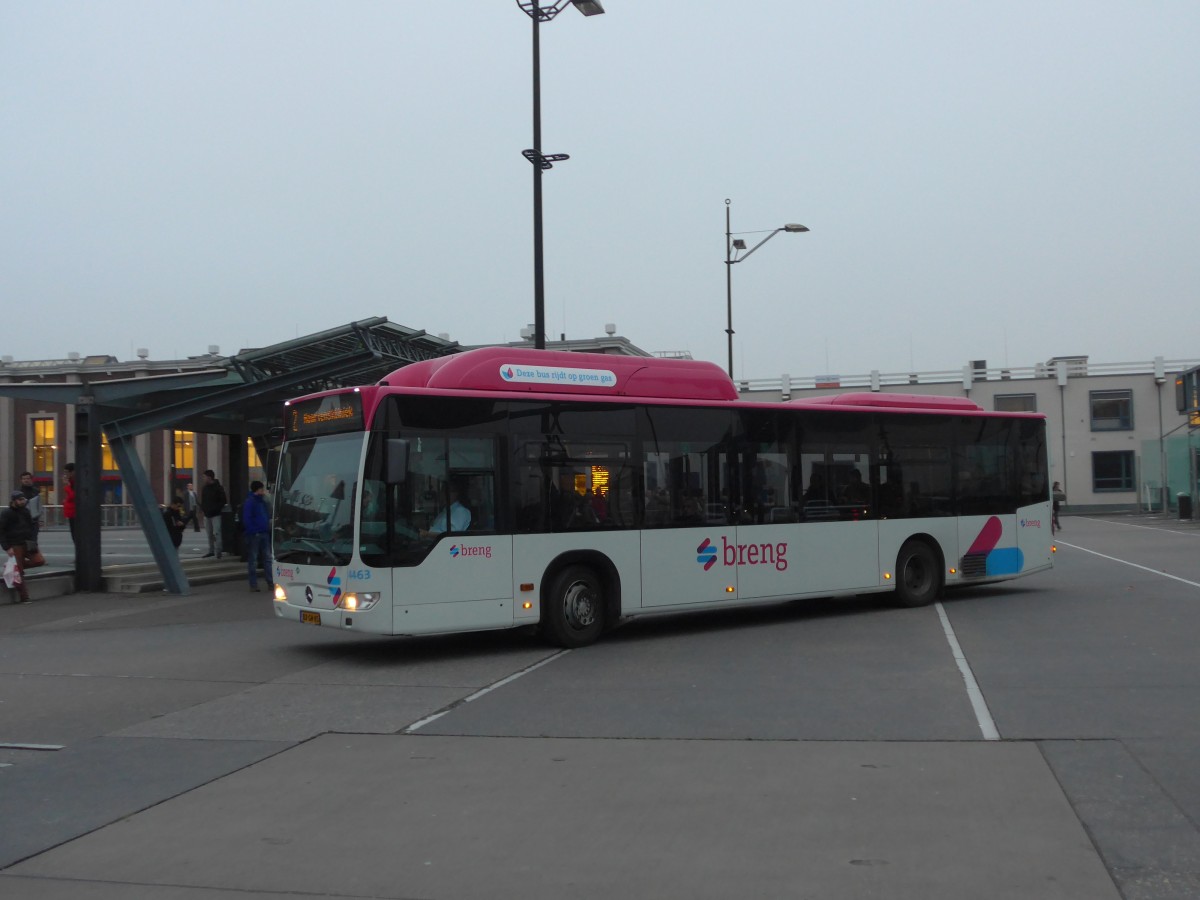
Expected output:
{"points": [[462, 550], [743, 554]]}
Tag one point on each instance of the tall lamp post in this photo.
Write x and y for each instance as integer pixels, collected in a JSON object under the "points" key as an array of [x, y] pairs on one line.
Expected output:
{"points": [[543, 12], [732, 244]]}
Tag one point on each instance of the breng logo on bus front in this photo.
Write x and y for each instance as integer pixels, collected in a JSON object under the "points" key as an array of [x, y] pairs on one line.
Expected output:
{"points": [[519, 374], [742, 554], [458, 551]]}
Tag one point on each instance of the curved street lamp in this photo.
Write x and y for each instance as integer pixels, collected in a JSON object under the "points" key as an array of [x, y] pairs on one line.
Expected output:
{"points": [[543, 12], [732, 244]]}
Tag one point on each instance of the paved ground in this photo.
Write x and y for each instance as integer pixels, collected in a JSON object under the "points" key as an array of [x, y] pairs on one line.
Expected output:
{"points": [[822, 750]]}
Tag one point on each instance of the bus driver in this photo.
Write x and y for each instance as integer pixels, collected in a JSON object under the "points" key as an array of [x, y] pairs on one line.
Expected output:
{"points": [[454, 517]]}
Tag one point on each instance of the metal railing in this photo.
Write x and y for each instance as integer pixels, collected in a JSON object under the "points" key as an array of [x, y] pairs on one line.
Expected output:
{"points": [[875, 380], [111, 514]]}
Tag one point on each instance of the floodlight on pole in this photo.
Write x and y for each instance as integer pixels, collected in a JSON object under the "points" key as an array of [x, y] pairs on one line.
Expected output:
{"points": [[538, 13], [731, 258]]}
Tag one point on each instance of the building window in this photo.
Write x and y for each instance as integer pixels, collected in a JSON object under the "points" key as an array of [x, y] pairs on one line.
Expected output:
{"points": [[1112, 471], [107, 463], [45, 431], [1112, 410], [185, 451], [1015, 402]]}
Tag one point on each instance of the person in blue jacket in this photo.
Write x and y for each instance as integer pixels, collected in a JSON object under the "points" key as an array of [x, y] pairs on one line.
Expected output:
{"points": [[256, 525]]}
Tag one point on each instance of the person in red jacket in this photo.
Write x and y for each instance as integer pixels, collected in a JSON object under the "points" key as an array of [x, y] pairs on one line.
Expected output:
{"points": [[69, 498]]}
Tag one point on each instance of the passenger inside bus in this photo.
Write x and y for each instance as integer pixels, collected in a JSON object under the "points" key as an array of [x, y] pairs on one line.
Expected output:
{"points": [[855, 492]]}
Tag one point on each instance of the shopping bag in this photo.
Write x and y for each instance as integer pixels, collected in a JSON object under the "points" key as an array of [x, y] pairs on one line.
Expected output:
{"points": [[12, 575]]}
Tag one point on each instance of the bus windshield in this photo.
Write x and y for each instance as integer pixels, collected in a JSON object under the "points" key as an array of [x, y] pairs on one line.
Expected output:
{"points": [[314, 502]]}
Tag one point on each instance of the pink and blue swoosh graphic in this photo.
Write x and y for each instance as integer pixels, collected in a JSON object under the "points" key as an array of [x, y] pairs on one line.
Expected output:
{"points": [[334, 585], [706, 554], [998, 560]]}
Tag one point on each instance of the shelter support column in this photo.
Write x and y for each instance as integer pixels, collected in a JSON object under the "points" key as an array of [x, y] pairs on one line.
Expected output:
{"points": [[88, 496], [137, 486], [237, 486]]}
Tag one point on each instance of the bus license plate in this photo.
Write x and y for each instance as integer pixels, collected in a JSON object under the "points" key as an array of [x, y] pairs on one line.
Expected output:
{"points": [[312, 618]]}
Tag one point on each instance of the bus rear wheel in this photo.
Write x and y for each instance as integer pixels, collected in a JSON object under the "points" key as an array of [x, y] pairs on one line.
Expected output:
{"points": [[918, 575], [574, 611]]}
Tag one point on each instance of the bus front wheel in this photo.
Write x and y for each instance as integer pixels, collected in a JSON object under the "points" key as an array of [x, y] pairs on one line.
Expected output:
{"points": [[574, 610], [918, 575]]}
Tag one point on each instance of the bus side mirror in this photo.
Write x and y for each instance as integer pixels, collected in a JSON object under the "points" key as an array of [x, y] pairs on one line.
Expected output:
{"points": [[397, 461]]}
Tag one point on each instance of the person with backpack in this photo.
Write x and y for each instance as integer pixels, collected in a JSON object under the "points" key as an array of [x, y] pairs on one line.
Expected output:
{"points": [[175, 521], [212, 501], [256, 525]]}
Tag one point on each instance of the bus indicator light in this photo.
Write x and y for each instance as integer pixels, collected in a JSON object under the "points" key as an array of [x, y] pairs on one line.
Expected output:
{"points": [[729, 588], [526, 605], [887, 576], [953, 570], [527, 586]]}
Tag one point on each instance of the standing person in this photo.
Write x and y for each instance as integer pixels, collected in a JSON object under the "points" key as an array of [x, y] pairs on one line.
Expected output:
{"points": [[69, 498], [212, 501], [16, 527], [1057, 496], [256, 525], [191, 507], [34, 498]]}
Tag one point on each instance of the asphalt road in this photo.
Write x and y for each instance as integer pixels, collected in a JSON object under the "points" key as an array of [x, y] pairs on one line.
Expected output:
{"points": [[1038, 739]]}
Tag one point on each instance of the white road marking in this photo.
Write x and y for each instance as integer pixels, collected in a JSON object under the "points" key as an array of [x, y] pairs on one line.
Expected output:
{"points": [[982, 714], [1128, 563], [1146, 527], [421, 723]]}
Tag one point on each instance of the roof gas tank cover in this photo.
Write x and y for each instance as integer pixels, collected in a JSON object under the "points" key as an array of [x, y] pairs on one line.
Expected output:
{"points": [[561, 372]]}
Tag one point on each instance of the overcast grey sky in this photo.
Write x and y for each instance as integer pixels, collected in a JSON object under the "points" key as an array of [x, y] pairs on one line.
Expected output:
{"points": [[983, 180]]}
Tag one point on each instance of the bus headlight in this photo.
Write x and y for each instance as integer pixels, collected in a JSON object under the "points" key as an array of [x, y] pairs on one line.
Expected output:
{"points": [[280, 593], [355, 602]]}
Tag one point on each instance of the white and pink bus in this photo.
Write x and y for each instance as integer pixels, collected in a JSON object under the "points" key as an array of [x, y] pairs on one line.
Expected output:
{"points": [[501, 488]]}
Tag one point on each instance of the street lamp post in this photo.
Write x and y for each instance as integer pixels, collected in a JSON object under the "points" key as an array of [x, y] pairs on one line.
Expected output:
{"points": [[539, 13], [732, 244]]}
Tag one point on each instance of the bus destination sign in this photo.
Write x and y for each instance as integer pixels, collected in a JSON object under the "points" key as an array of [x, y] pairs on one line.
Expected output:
{"points": [[326, 415]]}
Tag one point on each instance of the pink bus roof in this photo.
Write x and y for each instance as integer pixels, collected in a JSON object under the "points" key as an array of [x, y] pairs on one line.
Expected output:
{"points": [[561, 372], [894, 401]]}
